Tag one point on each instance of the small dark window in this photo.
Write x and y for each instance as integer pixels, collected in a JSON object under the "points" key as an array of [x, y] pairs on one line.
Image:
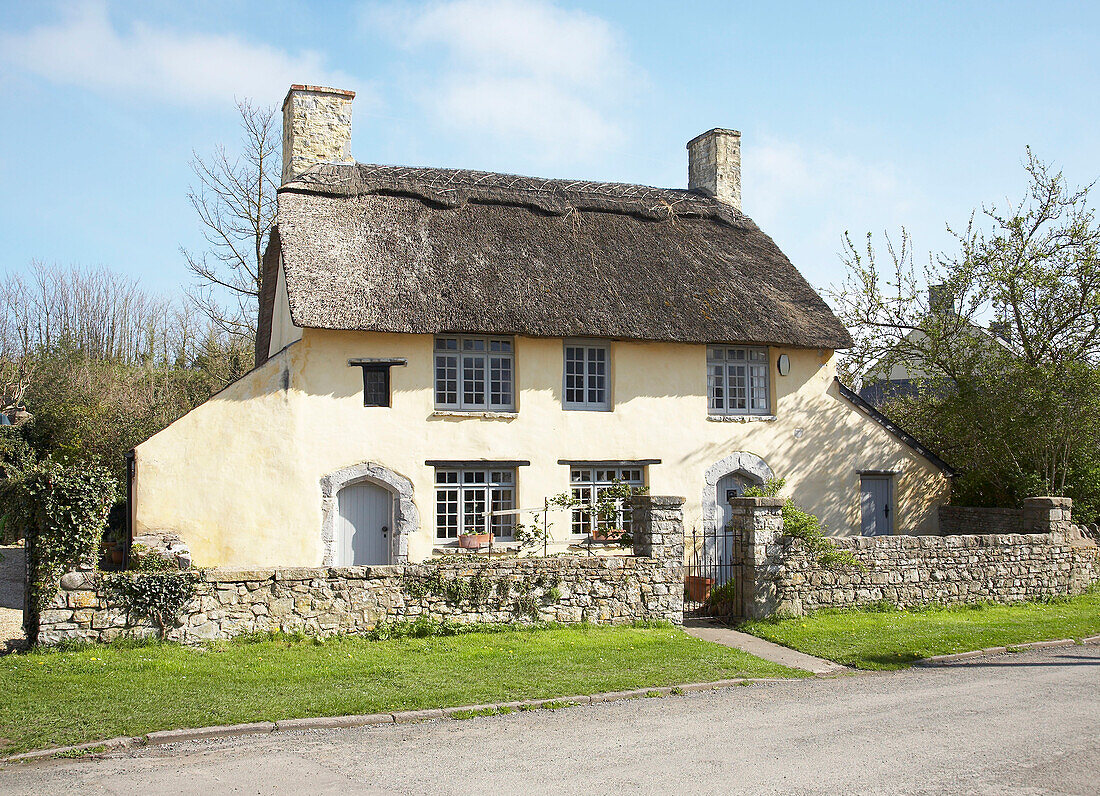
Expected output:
{"points": [[376, 385]]}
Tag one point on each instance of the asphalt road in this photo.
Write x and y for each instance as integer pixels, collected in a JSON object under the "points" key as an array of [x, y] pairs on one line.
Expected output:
{"points": [[1027, 723]]}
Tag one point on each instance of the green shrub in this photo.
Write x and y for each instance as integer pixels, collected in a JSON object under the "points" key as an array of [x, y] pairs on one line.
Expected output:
{"points": [[800, 524], [724, 595]]}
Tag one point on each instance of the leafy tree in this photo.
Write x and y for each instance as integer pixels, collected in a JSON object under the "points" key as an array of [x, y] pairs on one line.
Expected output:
{"points": [[1014, 406]]}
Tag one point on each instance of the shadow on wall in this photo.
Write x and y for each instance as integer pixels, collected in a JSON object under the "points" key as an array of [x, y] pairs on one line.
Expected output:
{"points": [[823, 450]]}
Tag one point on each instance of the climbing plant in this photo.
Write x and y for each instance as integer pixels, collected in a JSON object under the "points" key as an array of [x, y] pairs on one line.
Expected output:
{"points": [[524, 596], [158, 595], [61, 510]]}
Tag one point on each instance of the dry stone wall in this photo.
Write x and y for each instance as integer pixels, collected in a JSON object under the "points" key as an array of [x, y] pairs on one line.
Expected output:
{"points": [[330, 600], [908, 571], [973, 520], [780, 576]]}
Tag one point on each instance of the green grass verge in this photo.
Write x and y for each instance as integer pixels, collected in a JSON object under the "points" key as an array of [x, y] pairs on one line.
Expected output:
{"points": [[96, 692], [893, 639]]}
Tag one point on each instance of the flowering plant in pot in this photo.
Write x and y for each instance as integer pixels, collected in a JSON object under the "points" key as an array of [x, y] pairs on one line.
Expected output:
{"points": [[472, 538]]}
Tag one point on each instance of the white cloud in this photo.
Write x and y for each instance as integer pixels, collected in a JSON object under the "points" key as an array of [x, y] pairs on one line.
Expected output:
{"points": [[782, 174], [808, 198], [86, 49], [517, 68]]}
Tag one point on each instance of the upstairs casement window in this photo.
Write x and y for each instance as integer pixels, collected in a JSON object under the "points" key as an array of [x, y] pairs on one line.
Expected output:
{"points": [[737, 380], [586, 484], [475, 373], [586, 376], [464, 496]]}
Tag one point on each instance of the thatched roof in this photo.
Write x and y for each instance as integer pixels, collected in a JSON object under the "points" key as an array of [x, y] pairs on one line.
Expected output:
{"points": [[399, 249]]}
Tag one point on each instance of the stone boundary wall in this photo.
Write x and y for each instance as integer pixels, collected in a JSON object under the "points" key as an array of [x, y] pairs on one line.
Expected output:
{"points": [[1035, 515], [349, 600], [974, 520], [909, 571], [779, 576]]}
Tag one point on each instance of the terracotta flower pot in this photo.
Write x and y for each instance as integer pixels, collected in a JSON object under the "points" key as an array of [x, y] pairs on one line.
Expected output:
{"points": [[472, 541], [606, 536], [697, 588], [118, 555]]}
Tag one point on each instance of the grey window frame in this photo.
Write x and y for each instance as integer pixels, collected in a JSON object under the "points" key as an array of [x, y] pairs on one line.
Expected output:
{"points": [[465, 492], [489, 369], [587, 405], [720, 373], [580, 518]]}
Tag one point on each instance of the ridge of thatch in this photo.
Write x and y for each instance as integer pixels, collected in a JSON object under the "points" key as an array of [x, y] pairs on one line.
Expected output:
{"points": [[426, 250]]}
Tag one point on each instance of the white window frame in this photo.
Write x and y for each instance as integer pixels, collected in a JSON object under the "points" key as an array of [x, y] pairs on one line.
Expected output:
{"points": [[592, 380], [587, 489], [456, 356], [738, 380], [463, 493]]}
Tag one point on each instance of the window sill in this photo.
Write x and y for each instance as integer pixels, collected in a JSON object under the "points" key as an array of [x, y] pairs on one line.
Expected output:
{"points": [[460, 414], [742, 418]]}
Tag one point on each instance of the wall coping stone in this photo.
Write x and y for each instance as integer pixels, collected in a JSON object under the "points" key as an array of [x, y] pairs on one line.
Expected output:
{"points": [[758, 502], [1048, 501], [229, 574], [659, 501]]}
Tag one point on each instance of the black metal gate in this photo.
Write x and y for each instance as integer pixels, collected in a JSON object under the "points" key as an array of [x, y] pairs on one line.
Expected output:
{"points": [[712, 577]]}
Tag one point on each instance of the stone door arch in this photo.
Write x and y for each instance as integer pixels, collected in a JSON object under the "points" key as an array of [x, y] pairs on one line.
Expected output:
{"points": [[406, 519], [748, 466]]}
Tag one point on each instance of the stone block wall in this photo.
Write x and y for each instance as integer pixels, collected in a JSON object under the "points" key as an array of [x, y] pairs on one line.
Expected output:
{"points": [[1036, 515], [974, 520], [316, 128], [780, 576], [331, 600], [908, 571]]}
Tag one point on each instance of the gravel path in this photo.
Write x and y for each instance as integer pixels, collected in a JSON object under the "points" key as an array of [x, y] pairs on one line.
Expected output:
{"points": [[1026, 723], [11, 597]]}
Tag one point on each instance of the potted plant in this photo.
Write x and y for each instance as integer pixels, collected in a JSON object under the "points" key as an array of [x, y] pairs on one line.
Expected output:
{"points": [[472, 540], [697, 588], [722, 601], [606, 534]]}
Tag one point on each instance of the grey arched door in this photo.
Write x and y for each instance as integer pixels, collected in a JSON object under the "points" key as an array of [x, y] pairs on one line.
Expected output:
{"points": [[730, 486], [363, 525]]}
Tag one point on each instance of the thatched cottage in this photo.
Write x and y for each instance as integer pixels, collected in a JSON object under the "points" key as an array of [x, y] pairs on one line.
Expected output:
{"points": [[434, 343]]}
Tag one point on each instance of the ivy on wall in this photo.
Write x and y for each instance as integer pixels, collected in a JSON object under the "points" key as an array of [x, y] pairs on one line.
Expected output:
{"points": [[61, 510], [525, 596], [159, 596]]}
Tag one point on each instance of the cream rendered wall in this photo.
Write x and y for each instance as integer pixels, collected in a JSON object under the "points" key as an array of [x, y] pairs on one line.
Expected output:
{"points": [[239, 476], [283, 330]]}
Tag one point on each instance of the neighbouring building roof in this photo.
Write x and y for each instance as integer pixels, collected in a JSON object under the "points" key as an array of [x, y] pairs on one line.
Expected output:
{"points": [[424, 250]]}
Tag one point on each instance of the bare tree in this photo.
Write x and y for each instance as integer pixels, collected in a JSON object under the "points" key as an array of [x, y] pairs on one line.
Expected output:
{"points": [[235, 201]]}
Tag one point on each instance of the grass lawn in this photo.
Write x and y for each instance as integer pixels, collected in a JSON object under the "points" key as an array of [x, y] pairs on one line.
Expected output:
{"points": [[97, 692], [894, 639]]}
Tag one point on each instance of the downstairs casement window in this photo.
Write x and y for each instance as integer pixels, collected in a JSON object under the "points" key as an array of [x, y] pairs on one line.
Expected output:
{"points": [[737, 380], [587, 484], [474, 373], [463, 497]]}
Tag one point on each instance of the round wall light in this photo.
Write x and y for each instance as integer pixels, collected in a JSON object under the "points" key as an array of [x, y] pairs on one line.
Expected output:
{"points": [[784, 364]]}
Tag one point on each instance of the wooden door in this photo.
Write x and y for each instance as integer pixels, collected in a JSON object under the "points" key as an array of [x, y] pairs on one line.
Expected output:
{"points": [[363, 525], [876, 505]]}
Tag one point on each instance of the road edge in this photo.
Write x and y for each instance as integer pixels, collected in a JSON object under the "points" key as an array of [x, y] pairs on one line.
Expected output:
{"points": [[459, 712]]}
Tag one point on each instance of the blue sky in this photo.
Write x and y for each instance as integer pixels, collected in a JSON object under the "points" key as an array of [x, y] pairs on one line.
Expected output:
{"points": [[860, 117]]}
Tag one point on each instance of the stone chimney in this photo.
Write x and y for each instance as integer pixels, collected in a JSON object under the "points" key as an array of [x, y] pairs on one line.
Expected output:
{"points": [[316, 128], [941, 301], [714, 165]]}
